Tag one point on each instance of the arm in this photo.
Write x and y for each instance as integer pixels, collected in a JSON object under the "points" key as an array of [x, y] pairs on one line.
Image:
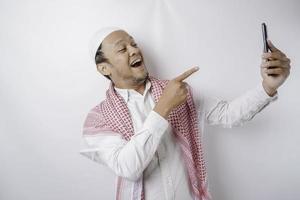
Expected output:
{"points": [[275, 69], [238, 111], [127, 158]]}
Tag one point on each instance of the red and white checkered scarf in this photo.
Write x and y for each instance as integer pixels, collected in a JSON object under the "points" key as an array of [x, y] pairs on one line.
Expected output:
{"points": [[112, 114]]}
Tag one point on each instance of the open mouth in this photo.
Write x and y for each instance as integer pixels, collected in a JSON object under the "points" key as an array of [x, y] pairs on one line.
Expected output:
{"points": [[137, 64]]}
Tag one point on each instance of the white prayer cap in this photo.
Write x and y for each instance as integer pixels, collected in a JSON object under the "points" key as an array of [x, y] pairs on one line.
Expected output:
{"points": [[98, 37]]}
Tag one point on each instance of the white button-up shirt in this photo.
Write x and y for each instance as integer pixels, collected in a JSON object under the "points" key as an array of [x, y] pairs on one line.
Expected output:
{"points": [[153, 149]]}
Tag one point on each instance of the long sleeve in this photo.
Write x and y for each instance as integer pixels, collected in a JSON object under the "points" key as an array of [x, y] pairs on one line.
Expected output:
{"points": [[236, 112], [127, 158]]}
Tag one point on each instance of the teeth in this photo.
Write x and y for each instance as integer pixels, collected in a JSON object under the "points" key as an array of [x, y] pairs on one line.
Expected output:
{"points": [[134, 62]]}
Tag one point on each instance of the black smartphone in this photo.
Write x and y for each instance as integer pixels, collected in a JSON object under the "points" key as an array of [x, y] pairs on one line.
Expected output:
{"points": [[266, 46], [265, 37]]}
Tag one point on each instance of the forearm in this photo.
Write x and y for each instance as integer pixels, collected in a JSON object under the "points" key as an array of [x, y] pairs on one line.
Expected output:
{"points": [[135, 156], [129, 158], [242, 109]]}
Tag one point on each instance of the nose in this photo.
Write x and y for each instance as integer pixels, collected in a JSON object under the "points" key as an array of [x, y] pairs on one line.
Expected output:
{"points": [[133, 50]]}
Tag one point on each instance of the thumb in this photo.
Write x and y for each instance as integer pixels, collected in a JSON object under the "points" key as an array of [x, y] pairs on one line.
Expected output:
{"points": [[272, 47]]}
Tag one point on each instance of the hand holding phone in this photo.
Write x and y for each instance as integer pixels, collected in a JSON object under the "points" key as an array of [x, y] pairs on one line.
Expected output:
{"points": [[275, 66]]}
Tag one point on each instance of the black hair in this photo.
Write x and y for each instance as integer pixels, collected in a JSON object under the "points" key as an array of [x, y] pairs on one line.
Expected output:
{"points": [[100, 58]]}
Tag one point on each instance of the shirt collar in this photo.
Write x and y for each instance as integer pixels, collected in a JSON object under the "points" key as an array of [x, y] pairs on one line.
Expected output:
{"points": [[129, 93]]}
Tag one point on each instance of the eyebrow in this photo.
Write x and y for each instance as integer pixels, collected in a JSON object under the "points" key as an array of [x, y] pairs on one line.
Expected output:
{"points": [[119, 41]]}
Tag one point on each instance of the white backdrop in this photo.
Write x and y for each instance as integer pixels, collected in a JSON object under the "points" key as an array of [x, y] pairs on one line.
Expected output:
{"points": [[48, 84]]}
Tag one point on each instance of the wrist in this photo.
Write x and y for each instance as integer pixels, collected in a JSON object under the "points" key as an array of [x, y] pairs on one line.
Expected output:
{"points": [[162, 110], [270, 91]]}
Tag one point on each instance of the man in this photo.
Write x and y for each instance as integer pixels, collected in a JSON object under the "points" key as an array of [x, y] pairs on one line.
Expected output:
{"points": [[147, 131]]}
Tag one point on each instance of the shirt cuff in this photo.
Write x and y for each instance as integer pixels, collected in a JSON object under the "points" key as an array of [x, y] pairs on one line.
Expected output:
{"points": [[156, 123]]}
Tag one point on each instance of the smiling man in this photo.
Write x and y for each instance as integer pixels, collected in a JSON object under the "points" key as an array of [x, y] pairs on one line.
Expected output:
{"points": [[126, 71], [148, 131]]}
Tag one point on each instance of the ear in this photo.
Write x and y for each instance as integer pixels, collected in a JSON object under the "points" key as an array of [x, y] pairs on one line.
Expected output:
{"points": [[104, 68]]}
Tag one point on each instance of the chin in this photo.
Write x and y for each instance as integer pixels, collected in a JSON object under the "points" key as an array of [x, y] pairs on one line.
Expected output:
{"points": [[142, 78]]}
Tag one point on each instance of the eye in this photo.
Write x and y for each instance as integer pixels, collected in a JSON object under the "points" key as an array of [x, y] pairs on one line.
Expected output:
{"points": [[122, 50], [134, 44]]}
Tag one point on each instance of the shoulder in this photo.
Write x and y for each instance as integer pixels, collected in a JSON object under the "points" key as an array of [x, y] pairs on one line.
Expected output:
{"points": [[95, 120]]}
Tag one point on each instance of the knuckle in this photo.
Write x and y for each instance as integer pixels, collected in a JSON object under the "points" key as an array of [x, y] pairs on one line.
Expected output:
{"points": [[185, 85]]}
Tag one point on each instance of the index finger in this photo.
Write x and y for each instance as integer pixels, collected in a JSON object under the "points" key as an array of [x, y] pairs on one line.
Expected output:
{"points": [[186, 74]]}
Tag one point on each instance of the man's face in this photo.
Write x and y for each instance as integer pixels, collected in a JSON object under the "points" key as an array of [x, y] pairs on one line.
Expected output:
{"points": [[126, 64]]}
